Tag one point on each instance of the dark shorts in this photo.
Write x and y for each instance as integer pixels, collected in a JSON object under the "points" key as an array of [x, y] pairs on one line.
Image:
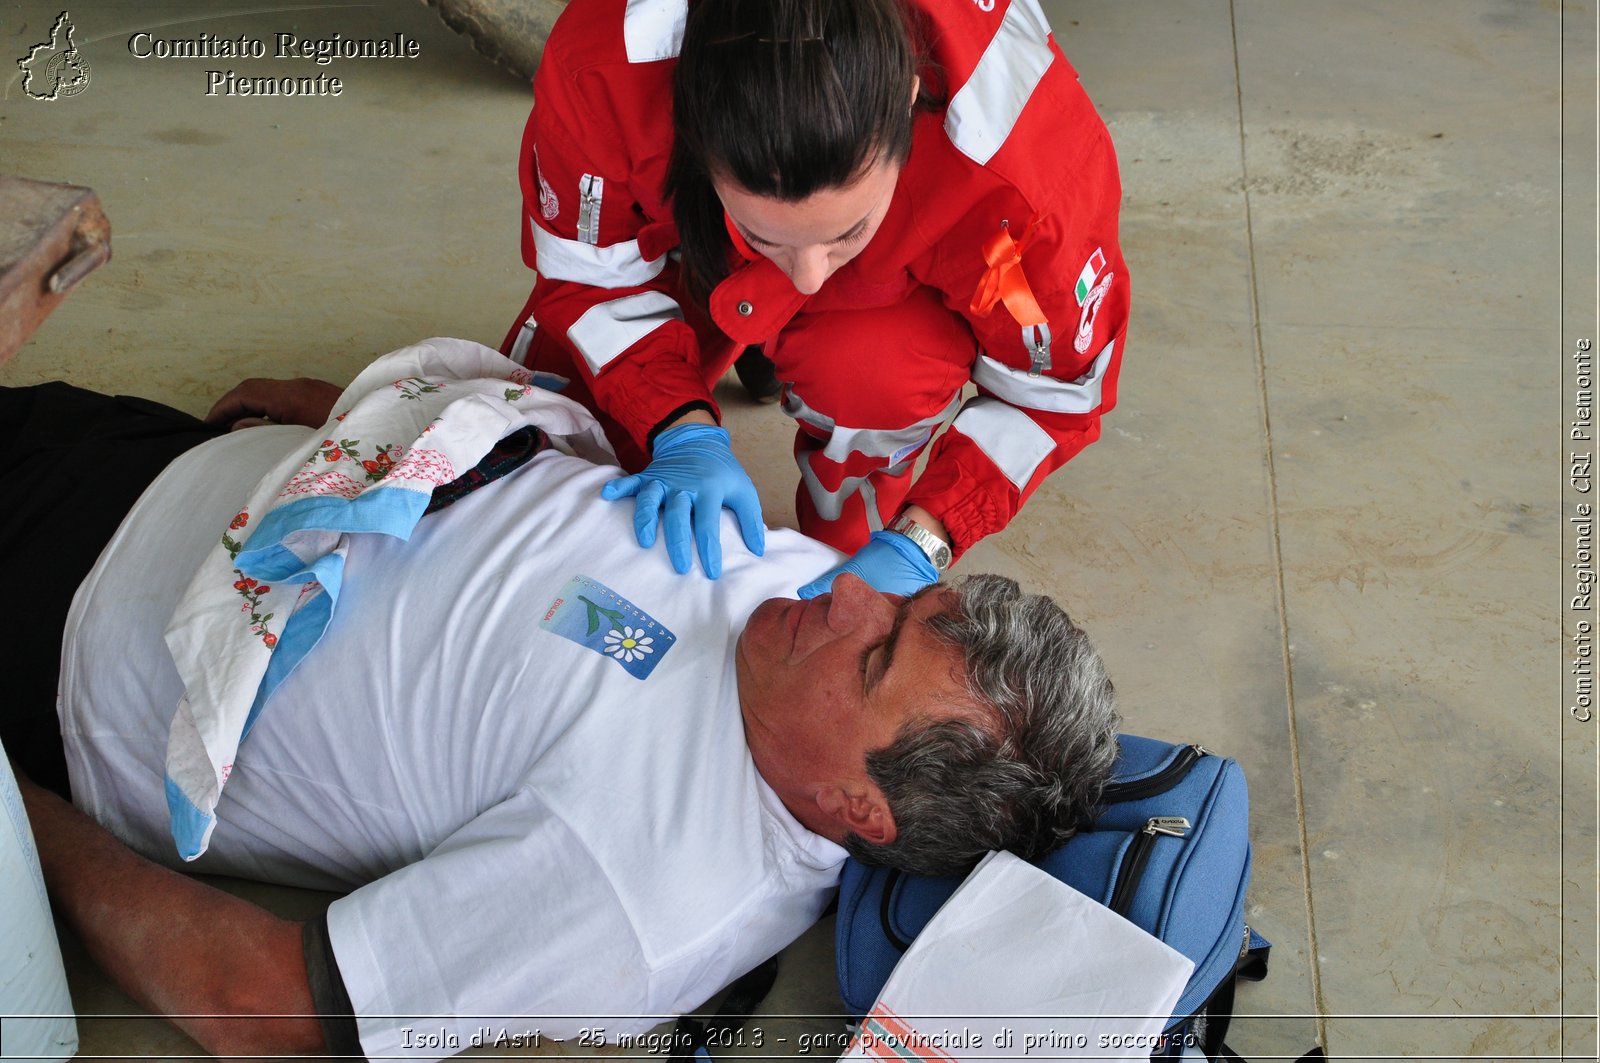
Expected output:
{"points": [[76, 461]]}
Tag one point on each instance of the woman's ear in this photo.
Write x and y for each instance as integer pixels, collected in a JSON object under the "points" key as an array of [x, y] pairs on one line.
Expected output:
{"points": [[916, 86]]}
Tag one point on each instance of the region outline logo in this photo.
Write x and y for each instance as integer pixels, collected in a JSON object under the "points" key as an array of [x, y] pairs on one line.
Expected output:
{"points": [[56, 63]]}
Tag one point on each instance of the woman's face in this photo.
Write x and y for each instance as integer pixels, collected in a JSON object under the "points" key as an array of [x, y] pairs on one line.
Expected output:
{"points": [[813, 237]]}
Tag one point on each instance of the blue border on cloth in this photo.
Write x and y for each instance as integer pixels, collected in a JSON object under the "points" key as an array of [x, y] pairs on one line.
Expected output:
{"points": [[389, 510], [392, 511], [302, 632], [189, 825]]}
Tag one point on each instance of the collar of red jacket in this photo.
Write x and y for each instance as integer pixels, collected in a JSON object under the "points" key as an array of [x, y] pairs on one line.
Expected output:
{"points": [[755, 301]]}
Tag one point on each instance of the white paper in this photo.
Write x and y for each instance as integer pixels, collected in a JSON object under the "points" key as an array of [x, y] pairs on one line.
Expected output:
{"points": [[1018, 964]]}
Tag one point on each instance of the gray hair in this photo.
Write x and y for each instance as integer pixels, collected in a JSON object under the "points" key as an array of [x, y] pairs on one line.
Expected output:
{"points": [[1026, 779]]}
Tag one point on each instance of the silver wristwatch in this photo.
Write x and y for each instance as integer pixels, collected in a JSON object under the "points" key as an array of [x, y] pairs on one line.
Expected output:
{"points": [[937, 549]]}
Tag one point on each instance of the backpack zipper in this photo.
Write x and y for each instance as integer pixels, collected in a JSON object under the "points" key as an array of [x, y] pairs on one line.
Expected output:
{"points": [[885, 904], [1138, 855], [1159, 783]]}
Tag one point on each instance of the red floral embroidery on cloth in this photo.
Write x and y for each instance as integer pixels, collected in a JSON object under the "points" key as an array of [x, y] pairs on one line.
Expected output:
{"points": [[252, 592], [426, 465], [315, 482], [390, 459], [381, 464], [413, 388], [232, 545]]}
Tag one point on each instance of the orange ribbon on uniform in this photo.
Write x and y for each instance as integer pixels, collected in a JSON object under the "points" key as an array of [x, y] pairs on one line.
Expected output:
{"points": [[1004, 281]]}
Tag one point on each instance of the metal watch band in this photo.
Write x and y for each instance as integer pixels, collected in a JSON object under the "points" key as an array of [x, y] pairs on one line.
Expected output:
{"points": [[937, 549]]}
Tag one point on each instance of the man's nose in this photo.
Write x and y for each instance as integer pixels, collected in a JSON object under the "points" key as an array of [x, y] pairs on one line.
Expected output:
{"points": [[811, 268], [856, 606]]}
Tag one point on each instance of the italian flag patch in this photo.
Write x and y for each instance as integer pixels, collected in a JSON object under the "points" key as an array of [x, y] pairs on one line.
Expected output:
{"points": [[1091, 270]]}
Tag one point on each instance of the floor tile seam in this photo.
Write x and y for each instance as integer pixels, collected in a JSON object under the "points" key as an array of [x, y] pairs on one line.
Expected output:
{"points": [[1277, 546], [1192, 323], [1386, 326]]}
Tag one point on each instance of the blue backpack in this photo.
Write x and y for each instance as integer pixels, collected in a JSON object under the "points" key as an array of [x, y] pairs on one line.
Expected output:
{"points": [[1170, 851]]}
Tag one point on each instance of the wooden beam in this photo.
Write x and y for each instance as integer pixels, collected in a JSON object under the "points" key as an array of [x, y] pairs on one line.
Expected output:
{"points": [[51, 237]]}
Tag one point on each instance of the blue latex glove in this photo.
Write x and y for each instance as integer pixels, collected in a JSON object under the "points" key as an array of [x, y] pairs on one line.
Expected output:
{"points": [[692, 475], [889, 562]]}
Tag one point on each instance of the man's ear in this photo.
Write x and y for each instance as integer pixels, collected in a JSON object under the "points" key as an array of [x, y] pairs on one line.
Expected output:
{"points": [[859, 810]]}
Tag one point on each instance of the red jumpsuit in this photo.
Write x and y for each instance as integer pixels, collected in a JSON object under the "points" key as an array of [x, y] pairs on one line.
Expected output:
{"points": [[874, 362]]}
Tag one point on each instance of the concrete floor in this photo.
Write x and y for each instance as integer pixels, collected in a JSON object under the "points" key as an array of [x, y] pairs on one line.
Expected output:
{"points": [[1323, 532]]}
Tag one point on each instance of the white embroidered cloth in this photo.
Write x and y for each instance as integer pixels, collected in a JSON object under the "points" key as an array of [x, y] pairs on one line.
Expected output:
{"points": [[411, 421]]}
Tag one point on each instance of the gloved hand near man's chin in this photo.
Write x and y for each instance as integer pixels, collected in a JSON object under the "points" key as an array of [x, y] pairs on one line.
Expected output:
{"points": [[889, 562]]}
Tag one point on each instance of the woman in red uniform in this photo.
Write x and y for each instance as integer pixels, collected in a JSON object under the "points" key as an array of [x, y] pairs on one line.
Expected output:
{"points": [[893, 198]]}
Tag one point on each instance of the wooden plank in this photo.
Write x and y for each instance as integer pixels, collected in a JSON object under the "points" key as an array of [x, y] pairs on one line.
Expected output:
{"points": [[51, 237]]}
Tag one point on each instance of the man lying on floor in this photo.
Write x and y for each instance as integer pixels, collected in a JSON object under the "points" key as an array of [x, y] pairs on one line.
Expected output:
{"points": [[557, 778]]}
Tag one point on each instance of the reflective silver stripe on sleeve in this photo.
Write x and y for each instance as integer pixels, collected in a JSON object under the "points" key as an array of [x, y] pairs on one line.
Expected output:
{"points": [[890, 444], [653, 29], [608, 329], [869, 499], [616, 266], [1007, 435], [982, 113], [590, 191], [1021, 388]]}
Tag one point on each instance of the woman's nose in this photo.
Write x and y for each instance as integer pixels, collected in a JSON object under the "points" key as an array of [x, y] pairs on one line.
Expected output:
{"points": [[811, 268]]}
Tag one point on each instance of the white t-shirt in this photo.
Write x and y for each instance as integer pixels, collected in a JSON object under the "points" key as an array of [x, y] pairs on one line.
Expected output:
{"points": [[519, 743]]}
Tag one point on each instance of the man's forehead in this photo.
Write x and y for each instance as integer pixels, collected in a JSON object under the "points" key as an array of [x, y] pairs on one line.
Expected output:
{"points": [[935, 600]]}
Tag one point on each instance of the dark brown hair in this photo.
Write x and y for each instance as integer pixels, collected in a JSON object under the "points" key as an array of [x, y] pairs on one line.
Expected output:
{"points": [[785, 98]]}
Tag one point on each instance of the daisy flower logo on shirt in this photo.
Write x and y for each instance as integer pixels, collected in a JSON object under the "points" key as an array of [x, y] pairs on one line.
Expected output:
{"points": [[629, 644], [624, 642], [596, 617]]}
